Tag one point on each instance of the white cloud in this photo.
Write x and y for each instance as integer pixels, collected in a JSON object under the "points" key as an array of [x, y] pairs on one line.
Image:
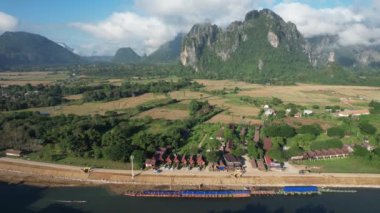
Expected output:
{"points": [[7, 22], [161, 21], [129, 29], [352, 25]]}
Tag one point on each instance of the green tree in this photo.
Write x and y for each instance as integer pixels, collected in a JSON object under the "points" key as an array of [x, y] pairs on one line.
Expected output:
{"points": [[313, 129], [336, 132], [367, 128]]}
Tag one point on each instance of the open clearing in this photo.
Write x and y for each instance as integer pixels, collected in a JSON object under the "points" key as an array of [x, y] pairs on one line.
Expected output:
{"points": [[307, 94], [227, 119], [33, 78], [100, 107], [165, 113]]}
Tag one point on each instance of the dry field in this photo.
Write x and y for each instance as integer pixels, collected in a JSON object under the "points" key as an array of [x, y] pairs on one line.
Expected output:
{"points": [[307, 121], [306, 94], [228, 84], [227, 119], [164, 113], [34, 78], [100, 107]]}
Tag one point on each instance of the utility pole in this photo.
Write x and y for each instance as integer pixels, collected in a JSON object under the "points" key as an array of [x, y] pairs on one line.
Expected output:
{"points": [[133, 175]]}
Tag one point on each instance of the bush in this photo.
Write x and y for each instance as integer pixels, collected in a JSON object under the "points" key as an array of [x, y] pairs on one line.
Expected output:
{"points": [[377, 151], [314, 129], [283, 130], [367, 128], [360, 151], [336, 132], [329, 144]]}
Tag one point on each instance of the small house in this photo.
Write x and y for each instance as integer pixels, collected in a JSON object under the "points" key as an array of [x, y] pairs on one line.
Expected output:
{"points": [[184, 161], [232, 161], [168, 160], [229, 146], [267, 144], [307, 112], [13, 153], [256, 137], [200, 161], [150, 163], [347, 113], [191, 160], [176, 160], [298, 115]]}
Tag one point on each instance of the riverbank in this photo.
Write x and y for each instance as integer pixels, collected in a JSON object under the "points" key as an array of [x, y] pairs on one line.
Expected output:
{"points": [[51, 175]]}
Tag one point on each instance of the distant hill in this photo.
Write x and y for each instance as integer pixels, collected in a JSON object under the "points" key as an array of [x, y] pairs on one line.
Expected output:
{"points": [[326, 49], [262, 46], [126, 56], [22, 48], [168, 52]]}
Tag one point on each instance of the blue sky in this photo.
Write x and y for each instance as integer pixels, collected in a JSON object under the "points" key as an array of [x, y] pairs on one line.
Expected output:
{"points": [[101, 26]]}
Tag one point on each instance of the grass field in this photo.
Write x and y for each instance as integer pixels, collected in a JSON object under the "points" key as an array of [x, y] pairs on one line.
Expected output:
{"points": [[33, 78], [85, 162], [345, 165], [165, 113], [100, 107]]}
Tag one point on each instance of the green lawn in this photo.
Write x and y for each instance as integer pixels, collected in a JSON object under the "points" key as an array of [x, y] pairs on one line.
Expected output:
{"points": [[77, 161], [345, 165]]}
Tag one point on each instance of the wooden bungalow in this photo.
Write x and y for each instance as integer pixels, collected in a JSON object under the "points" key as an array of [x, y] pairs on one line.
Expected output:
{"points": [[256, 137], [229, 146], [191, 161], [184, 161], [200, 161], [168, 160], [232, 161], [176, 160], [267, 144]]}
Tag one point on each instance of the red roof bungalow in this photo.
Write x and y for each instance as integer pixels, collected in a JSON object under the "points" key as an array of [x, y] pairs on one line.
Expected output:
{"points": [[160, 152], [200, 160], [256, 138], [191, 160], [176, 160], [229, 146], [13, 153], [243, 132], [267, 144], [184, 161], [168, 160], [268, 160]]}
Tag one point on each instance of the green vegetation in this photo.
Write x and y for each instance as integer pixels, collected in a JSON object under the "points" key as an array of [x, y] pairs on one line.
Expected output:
{"points": [[336, 132], [282, 130], [345, 165], [328, 144]]}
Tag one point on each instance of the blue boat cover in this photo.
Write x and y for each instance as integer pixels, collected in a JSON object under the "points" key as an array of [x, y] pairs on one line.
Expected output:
{"points": [[300, 189]]}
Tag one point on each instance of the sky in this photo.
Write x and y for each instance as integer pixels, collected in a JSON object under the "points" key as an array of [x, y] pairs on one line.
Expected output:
{"points": [[100, 27]]}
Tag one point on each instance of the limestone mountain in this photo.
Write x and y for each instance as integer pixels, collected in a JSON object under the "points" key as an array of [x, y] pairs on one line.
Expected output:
{"points": [[126, 56], [326, 49], [262, 45], [22, 48], [168, 52]]}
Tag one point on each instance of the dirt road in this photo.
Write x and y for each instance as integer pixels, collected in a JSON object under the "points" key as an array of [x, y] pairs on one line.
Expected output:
{"points": [[52, 174]]}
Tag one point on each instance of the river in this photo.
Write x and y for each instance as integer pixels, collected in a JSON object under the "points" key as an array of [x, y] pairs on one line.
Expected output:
{"points": [[22, 198]]}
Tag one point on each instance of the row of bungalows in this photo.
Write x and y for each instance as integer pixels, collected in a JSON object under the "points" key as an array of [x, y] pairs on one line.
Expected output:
{"points": [[326, 154], [174, 160]]}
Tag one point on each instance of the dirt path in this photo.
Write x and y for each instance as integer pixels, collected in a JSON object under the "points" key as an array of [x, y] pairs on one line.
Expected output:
{"points": [[47, 174]]}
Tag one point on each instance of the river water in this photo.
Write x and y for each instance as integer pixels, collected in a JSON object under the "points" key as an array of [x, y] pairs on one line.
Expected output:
{"points": [[21, 198]]}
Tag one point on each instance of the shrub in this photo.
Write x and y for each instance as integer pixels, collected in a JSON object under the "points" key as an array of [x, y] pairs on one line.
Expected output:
{"points": [[336, 132], [283, 130], [367, 128], [360, 151], [314, 129]]}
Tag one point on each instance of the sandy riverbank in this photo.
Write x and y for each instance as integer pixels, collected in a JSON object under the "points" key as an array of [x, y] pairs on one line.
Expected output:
{"points": [[52, 175]]}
